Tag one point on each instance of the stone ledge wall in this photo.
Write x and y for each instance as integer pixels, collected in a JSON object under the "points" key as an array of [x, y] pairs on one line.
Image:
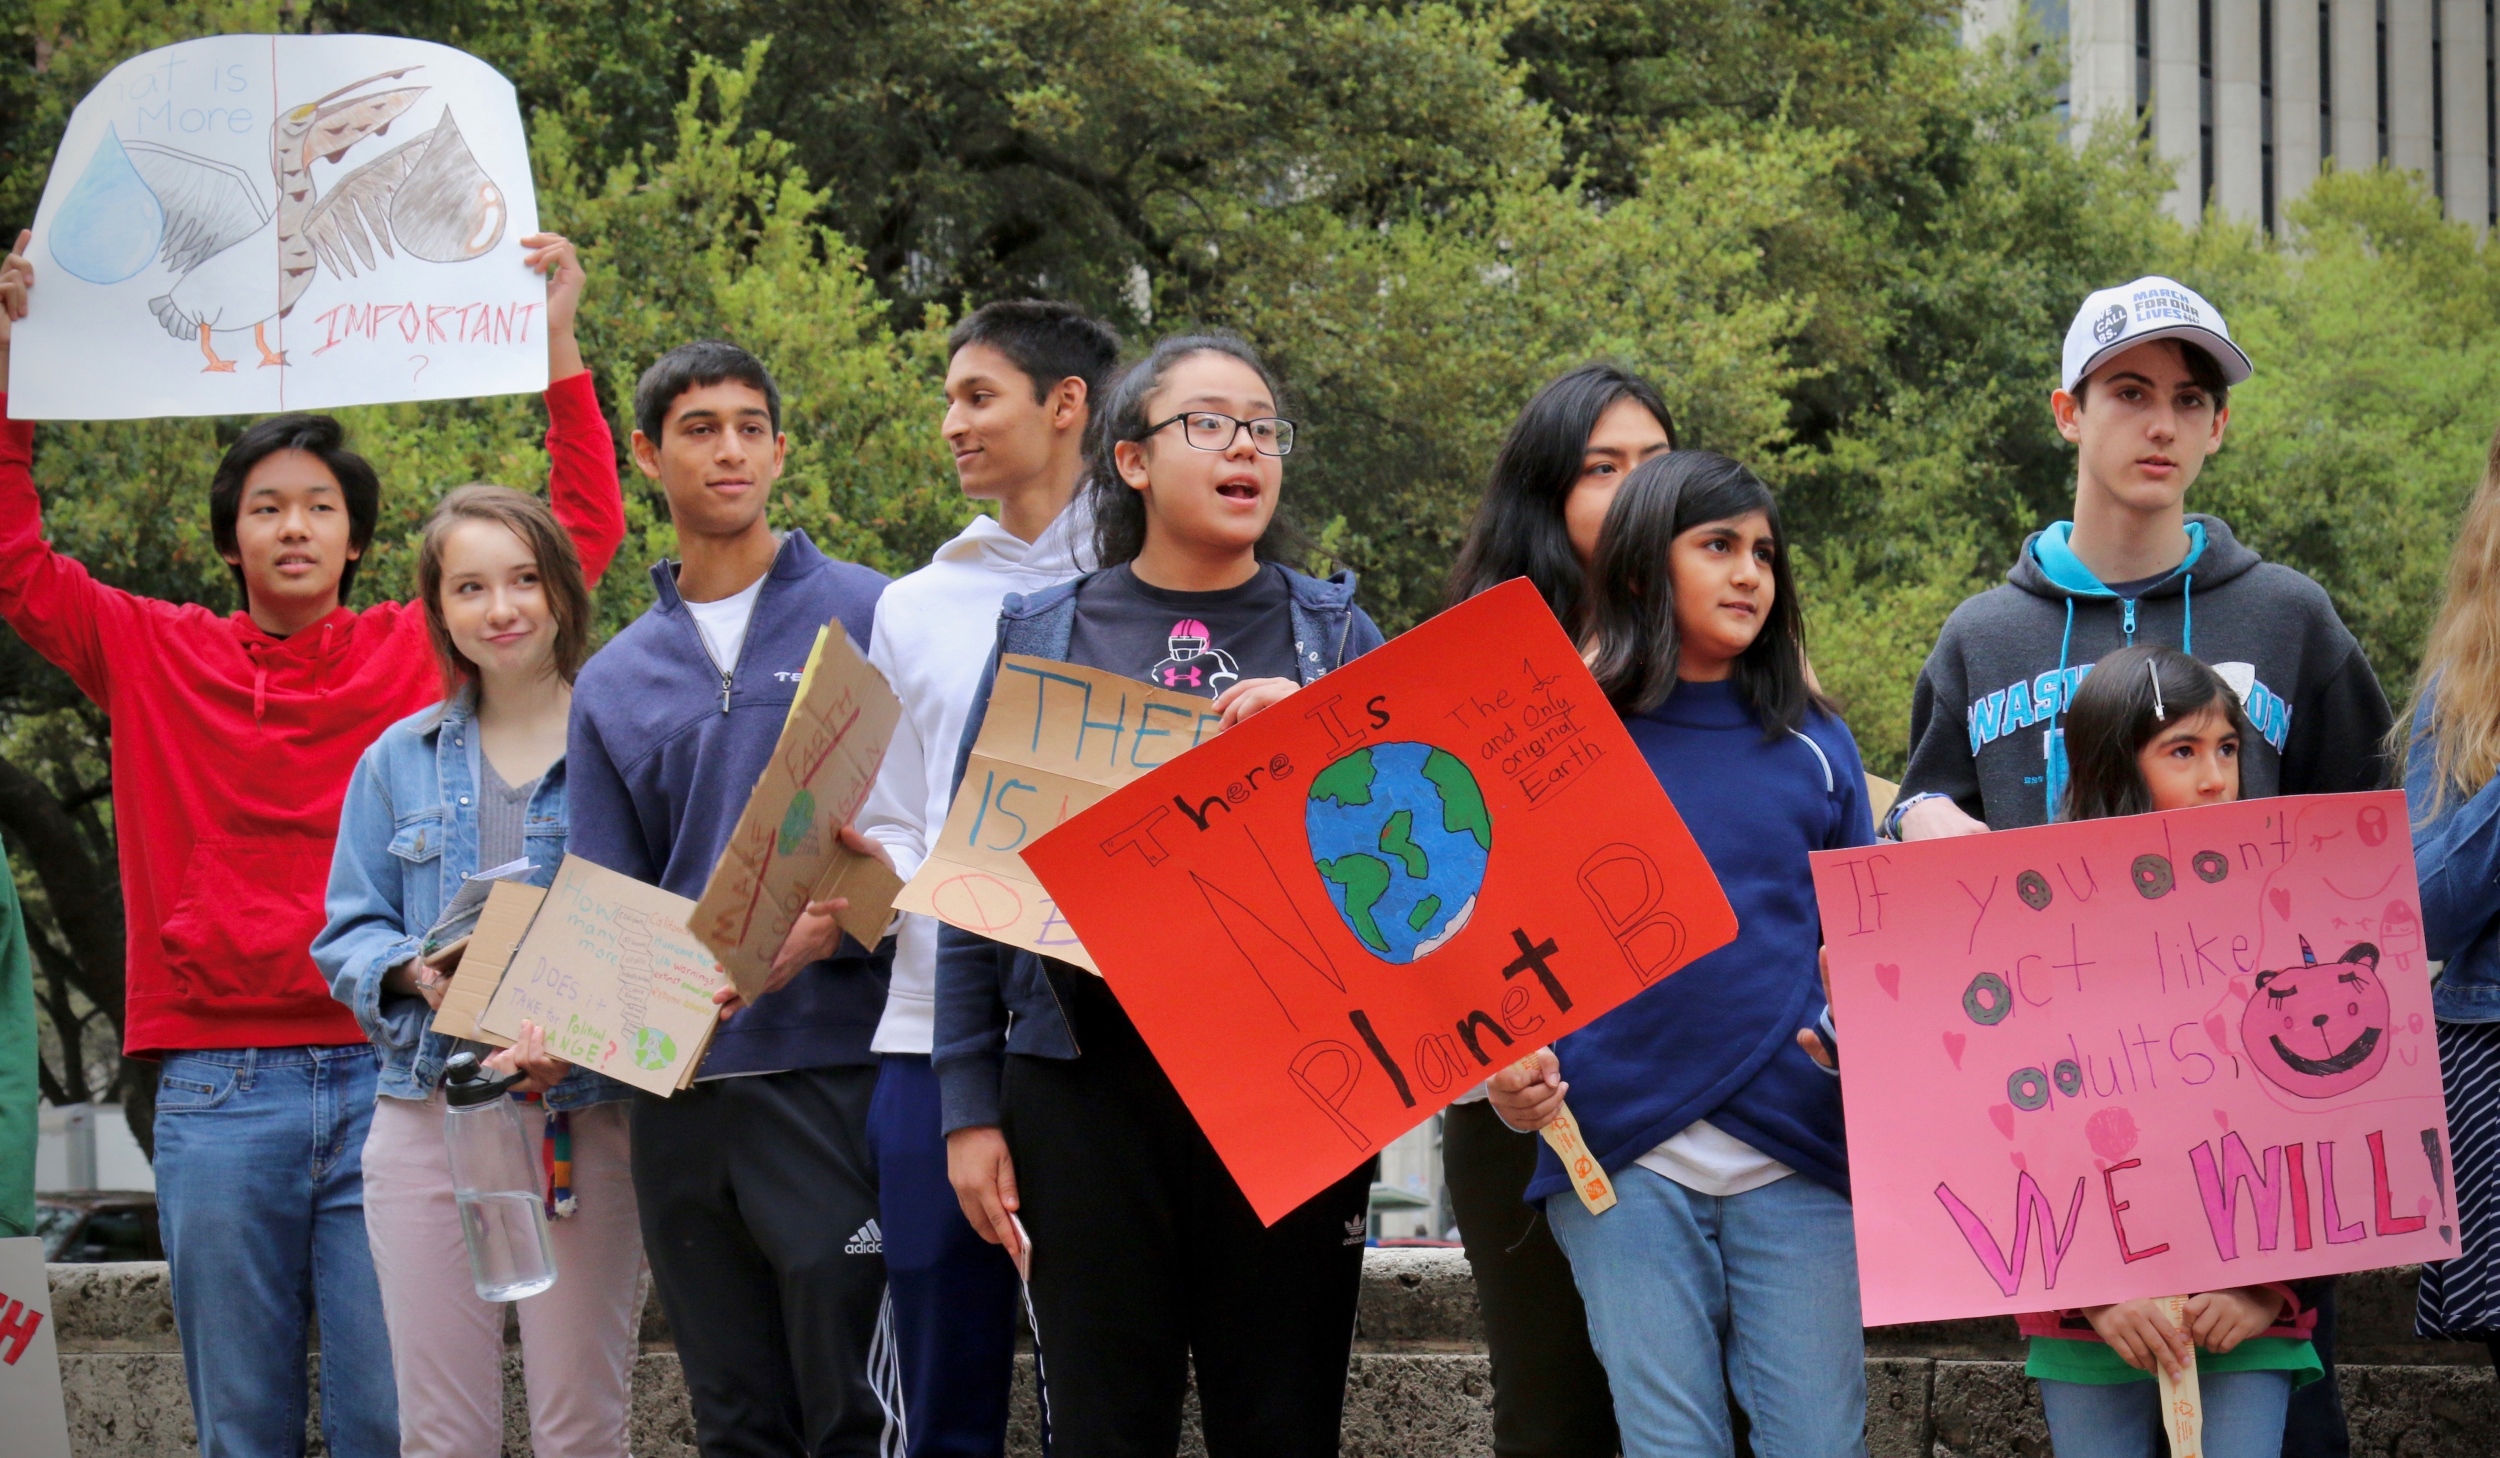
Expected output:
{"points": [[1419, 1385]]}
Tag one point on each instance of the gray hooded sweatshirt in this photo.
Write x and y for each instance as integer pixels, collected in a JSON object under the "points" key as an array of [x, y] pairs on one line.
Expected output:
{"points": [[1986, 721]]}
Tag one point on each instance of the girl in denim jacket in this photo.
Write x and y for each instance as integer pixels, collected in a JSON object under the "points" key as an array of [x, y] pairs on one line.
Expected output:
{"points": [[476, 784], [2451, 744]]}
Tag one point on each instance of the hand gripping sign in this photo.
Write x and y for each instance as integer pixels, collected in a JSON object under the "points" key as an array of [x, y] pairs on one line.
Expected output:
{"points": [[1336, 917], [2137, 1057]]}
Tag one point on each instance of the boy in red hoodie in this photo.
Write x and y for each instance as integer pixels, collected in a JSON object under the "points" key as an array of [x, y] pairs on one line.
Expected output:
{"points": [[233, 741]]}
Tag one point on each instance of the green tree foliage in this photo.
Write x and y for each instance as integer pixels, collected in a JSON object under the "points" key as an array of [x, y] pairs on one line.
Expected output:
{"points": [[1844, 246]]}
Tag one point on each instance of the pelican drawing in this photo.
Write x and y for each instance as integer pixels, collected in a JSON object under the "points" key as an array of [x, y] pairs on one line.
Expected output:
{"points": [[242, 263]]}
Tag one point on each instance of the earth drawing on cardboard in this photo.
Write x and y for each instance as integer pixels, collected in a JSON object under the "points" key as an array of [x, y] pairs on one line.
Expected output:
{"points": [[1400, 836]]}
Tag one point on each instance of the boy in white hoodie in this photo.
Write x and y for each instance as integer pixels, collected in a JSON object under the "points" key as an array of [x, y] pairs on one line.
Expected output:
{"points": [[1021, 378]]}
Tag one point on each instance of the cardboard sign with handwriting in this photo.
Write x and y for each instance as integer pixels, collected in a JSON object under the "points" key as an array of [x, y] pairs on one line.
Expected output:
{"points": [[2137, 1057], [610, 971], [1352, 907], [786, 850], [500, 924], [31, 1414], [1056, 739]]}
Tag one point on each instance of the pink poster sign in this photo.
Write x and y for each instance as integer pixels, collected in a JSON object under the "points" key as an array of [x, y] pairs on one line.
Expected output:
{"points": [[2139, 1057]]}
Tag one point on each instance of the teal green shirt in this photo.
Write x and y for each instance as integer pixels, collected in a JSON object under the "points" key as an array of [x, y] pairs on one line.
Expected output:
{"points": [[18, 1085], [2068, 1359]]}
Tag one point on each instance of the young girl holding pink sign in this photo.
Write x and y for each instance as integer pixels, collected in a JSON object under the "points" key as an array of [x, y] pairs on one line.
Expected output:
{"points": [[2153, 729]]}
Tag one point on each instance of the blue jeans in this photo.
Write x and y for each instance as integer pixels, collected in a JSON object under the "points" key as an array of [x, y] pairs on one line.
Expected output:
{"points": [[260, 1188], [1691, 1295], [2243, 1416]]}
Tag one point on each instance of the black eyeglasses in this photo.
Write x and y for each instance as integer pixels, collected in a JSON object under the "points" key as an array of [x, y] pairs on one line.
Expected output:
{"points": [[1207, 430]]}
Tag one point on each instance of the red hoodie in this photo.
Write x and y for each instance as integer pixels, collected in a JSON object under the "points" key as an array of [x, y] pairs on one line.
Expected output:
{"points": [[232, 750]]}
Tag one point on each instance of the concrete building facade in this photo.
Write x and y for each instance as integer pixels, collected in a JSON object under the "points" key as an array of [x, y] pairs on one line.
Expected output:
{"points": [[2250, 100]]}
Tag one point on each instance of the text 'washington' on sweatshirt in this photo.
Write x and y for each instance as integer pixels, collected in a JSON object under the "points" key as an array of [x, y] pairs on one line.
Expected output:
{"points": [[1717, 1040], [935, 629], [660, 762], [1986, 720]]}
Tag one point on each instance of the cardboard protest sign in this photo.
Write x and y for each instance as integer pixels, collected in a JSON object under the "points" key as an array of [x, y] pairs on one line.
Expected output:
{"points": [[785, 849], [2137, 1057], [1056, 738], [31, 1413], [249, 223], [1351, 908], [610, 970], [510, 905]]}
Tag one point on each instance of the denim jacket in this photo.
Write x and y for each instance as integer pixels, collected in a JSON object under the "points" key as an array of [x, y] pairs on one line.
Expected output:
{"points": [[2457, 855], [993, 999], [407, 839]]}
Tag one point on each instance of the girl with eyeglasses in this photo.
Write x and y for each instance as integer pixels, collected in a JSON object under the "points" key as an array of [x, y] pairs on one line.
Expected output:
{"points": [[1146, 1260]]}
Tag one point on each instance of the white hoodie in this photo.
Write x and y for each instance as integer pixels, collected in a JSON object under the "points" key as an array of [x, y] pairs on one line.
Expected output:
{"points": [[935, 629]]}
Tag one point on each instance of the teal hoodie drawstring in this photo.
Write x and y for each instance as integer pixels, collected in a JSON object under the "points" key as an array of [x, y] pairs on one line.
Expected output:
{"points": [[2048, 736], [2187, 615]]}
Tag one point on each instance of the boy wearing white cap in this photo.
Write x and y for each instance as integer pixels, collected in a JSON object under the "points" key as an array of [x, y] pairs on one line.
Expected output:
{"points": [[2146, 395]]}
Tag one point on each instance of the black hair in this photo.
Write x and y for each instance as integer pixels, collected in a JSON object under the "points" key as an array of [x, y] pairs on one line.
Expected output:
{"points": [[1518, 530], [1120, 509], [319, 436], [1048, 340], [2111, 719], [691, 367], [1631, 633], [2202, 369]]}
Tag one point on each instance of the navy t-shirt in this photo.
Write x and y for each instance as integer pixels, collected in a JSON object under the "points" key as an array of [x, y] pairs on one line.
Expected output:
{"points": [[1190, 642]]}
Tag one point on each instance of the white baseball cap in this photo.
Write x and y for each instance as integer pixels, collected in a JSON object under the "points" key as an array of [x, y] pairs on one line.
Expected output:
{"points": [[2151, 308]]}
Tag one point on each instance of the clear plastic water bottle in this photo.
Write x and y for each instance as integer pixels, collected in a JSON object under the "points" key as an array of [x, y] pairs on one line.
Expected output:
{"points": [[502, 1213]]}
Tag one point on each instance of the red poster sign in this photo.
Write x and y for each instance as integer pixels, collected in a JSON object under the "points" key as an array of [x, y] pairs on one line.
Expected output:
{"points": [[1343, 913]]}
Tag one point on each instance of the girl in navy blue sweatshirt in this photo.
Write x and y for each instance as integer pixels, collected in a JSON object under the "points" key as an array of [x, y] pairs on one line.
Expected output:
{"points": [[1729, 1261]]}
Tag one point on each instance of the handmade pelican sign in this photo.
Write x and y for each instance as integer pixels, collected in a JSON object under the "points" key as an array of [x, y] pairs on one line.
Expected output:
{"points": [[2138, 1057], [250, 223], [1344, 912]]}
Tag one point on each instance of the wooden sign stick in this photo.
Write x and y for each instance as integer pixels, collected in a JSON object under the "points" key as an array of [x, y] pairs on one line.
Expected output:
{"points": [[1588, 1177], [2182, 1406]]}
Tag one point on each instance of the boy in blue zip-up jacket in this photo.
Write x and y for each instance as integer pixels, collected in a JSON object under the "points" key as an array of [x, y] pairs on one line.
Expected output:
{"points": [[757, 1190]]}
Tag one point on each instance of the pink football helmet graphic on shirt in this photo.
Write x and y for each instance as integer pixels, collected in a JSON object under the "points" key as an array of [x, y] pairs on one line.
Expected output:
{"points": [[1194, 661]]}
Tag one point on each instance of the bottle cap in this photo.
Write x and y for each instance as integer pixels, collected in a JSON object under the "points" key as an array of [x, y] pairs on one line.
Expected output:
{"points": [[467, 1083]]}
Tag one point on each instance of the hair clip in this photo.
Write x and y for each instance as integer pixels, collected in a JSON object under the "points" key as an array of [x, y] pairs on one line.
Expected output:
{"points": [[2153, 670]]}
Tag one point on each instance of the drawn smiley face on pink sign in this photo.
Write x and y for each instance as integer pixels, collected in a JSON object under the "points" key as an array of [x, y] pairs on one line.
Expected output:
{"points": [[2319, 1029]]}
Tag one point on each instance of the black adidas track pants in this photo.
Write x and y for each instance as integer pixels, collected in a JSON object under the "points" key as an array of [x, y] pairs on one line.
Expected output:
{"points": [[759, 1203]]}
